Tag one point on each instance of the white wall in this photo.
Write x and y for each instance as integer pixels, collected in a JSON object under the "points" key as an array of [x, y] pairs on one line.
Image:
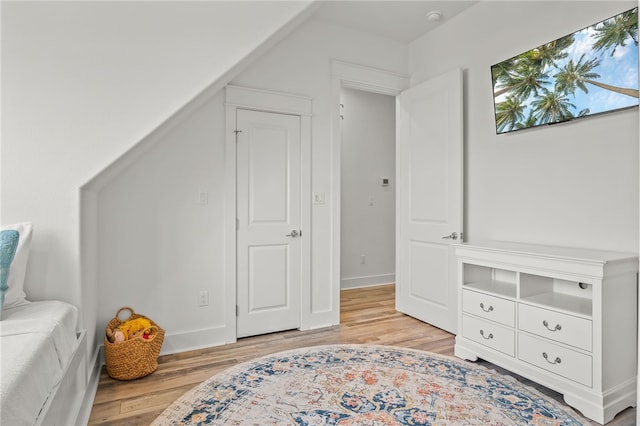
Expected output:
{"points": [[82, 84], [574, 184], [367, 208], [85, 81], [157, 248]]}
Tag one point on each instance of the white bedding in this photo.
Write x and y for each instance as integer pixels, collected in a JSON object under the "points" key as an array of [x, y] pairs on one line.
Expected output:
{"points": [[37, 341]]}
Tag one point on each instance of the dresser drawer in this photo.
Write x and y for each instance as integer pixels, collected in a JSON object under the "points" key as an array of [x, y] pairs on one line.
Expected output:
{"points": [[564, 362], [489, 334], [556, 326], [489, 307]]}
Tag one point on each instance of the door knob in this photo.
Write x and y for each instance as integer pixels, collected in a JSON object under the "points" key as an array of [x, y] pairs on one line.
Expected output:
{"points": [[293, 234], [452, 236]]}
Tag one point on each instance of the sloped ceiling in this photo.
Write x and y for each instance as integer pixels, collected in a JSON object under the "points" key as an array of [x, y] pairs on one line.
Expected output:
{"points": [[231, 52]]}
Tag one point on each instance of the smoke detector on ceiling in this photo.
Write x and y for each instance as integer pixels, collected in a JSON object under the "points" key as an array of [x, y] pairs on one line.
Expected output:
{"points": [[434, 16]]}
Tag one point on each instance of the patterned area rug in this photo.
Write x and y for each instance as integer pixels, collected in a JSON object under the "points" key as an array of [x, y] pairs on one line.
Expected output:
{"points": [[364, 385]]}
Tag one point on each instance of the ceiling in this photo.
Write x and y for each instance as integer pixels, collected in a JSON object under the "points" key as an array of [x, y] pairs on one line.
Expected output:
{"points": [[400, 20]]}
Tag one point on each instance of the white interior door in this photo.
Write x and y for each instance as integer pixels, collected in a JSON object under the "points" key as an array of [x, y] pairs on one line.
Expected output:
{"points": [[429, 199], [268, 208]]}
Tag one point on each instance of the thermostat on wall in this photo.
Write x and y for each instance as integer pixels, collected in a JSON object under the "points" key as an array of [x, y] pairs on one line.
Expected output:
{"points": [[384, 181]]}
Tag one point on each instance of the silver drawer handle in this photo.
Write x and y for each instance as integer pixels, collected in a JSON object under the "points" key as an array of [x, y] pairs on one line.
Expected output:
{"points": [[489, 337], [555, 361], [486, 310], [558, 327]]}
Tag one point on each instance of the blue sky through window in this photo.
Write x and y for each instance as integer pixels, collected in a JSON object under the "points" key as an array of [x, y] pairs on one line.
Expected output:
{"points": [[619, 70]]}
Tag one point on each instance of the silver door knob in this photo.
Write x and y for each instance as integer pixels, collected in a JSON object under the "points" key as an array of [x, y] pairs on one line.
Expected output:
{"points": [[293, 234], [452, 236]]}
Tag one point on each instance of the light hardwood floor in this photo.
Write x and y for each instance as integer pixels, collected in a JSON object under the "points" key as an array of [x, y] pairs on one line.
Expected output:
{"points": [[367, 316]]}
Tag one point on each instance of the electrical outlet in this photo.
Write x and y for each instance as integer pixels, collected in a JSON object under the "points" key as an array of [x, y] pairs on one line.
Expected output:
{"points": [[363, 259], [203, 197], [204, 298]]}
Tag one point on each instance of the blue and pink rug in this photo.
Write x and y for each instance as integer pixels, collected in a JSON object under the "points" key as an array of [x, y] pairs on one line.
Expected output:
{"points": [[364, 385]]}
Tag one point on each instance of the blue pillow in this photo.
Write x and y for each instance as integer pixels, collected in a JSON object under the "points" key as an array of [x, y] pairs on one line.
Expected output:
{"points": [[8, 245]]}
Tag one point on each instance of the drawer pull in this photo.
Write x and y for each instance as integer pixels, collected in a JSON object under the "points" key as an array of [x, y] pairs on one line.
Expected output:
{"points": [[558, 327], [489, 337], [555, 361], [486, 310]]}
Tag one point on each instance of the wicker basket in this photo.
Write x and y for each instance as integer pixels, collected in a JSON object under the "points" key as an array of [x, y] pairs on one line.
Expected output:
{"points": [[136, 357]]}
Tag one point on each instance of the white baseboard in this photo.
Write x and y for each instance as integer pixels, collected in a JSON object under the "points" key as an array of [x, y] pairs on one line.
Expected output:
{"points": [[196, 339], [367, 281]]}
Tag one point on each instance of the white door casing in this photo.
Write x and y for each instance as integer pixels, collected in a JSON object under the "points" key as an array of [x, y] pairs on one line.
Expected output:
{"points": [[429, 199], [359, 77], [237, 98], [268, 200]]}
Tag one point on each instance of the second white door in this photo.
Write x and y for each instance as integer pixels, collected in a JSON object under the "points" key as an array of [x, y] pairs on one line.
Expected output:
{"points": [[269, 234], [429, 199]]}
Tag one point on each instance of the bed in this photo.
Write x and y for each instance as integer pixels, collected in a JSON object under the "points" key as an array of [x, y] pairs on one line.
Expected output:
{"points": [[39, 362], [43, 369]]}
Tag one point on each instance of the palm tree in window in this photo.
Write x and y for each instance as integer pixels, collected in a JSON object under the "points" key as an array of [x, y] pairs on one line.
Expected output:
{"points": [[524, 81], [527, 73], [509, 114], [548, 55], [529, 122], [552, 107], [576, 75], [617, 31]]}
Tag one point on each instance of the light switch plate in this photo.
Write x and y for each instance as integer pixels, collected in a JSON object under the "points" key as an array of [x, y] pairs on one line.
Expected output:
{"points": [[203, 197]]}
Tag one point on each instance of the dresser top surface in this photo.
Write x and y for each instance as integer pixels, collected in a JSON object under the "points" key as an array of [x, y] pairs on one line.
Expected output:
{"points": [[573, 253]]}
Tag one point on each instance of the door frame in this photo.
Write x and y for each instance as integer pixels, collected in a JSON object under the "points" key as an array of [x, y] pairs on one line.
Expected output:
{"points": [[368, 79], [238, 97]]}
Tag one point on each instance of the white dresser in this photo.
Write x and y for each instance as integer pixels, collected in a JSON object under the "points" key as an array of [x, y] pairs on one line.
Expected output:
{"points": [[565, 318]]}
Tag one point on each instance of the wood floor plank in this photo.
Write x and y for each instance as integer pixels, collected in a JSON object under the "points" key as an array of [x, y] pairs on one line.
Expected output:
{"points": [[367, 315]]}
